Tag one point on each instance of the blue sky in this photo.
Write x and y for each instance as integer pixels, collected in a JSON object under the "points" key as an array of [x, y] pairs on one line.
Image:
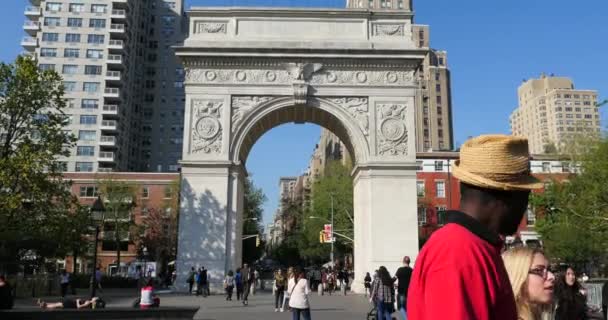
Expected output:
{"points": [[492, 46]]}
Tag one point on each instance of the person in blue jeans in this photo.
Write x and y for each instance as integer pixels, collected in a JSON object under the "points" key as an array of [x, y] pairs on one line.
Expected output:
{"points": [[383, 294], [299, 289], [403, 276]]}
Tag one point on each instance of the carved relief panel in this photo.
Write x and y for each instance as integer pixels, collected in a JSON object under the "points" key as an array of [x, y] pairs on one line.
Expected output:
{"points": [[242, 105], [206, 135], [392, 135]]}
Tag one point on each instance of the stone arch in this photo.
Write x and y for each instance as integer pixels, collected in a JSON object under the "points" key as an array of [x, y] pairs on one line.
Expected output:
{"points": [[324, 112]]}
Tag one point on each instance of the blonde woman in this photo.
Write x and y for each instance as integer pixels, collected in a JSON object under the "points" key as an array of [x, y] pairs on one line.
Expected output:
{"points": [[532, 282]]}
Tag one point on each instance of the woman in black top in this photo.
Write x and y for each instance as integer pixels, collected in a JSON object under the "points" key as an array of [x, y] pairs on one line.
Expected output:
{"points": [[570, 298], [367, 282], [72, 304]]}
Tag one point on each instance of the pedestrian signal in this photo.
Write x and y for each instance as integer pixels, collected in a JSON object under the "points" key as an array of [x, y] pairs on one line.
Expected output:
{"points": [[257, 241]]}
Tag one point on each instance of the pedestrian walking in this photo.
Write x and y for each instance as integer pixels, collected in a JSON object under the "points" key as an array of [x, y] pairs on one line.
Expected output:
{"points": [[403, 277], [245, 273], [98, 276], [532, 282], [252, 281], [570, 297], [190, 279], [345, 281], [279, 286], [323, 281], [204, 282], [256, 276], [383, 295], [460, 273], [6, 294], [64, 282], [290, 283], [199, 281], [298, 296], [229, 285], [238, 282], [367, 283]]}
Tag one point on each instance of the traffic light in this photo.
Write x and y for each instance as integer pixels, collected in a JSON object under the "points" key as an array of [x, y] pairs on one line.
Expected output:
{"points": [[322, 236], [257, 241]]}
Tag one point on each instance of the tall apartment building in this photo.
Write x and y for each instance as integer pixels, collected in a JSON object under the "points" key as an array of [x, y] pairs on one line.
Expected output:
{"points": [[434, 130], [551, 111], [108, 53]]}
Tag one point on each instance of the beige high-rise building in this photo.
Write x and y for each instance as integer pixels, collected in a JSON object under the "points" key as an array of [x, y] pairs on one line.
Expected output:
{"points": [[551, 111], [119, 75], [434, 130]]}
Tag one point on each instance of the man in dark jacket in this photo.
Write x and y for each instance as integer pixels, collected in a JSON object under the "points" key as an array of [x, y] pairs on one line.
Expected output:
{"points": [[605, 300], [245, 278], [6, 294]]}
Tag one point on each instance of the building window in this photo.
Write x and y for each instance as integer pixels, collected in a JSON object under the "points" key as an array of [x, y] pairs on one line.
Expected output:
{"points": [[72, 37], [421, 216], [90, 86], [92, 70], [94, 54], [441, 215], [438, 87], [89, 104], [50, 37], [53, 6], [565, 166], [70, 69], [84, 166], [97, 23], [546, 166], [88, 151], [440, 133], [69, 86], [76, 7], [168, 192], [96, 38], [98, 8], [46, 67], [75, 22], [88, 191], [88, 119], [438, 166], [48, 52], [144, 211], [52, 22], [440, 189], [71, 53], [87, 135], [145, 192], [420, 188]]}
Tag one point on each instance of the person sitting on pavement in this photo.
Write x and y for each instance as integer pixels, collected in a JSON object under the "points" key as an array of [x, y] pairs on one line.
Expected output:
{"points": [[94, 302], [148, 298]]}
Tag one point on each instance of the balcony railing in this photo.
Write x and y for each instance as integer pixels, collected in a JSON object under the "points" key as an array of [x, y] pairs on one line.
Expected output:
{"points": [[113, 74], [107, 140], [106, 156], [119, 12], [119, 27], [31, 24], [29, 41], [110, 108], [108, 124], [112, 91], [32, 11], [111, 235], [116, 43]]}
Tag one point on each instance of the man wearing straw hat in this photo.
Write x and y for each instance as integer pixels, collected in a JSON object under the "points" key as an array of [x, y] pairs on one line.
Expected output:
{"points": [[459, 273]]}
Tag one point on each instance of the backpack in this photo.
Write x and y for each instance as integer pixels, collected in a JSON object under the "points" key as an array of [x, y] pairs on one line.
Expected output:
{"points": [[238, 279]]}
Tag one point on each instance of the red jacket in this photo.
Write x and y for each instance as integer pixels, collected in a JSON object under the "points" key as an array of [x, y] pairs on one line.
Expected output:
{"points": [[460, 274]]}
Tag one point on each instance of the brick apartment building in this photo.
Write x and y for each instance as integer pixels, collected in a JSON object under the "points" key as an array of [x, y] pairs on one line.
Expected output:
{"points": [[153, 193], [439, 191]]}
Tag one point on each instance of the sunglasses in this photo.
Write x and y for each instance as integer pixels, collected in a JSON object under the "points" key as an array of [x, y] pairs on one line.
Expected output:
{"points": [[542, 272]]}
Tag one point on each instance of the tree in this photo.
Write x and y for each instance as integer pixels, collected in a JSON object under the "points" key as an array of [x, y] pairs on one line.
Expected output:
{"points": [[333, 190], [37, 205], [158, 231], [119, 199], [574, 214], [252, 217]]}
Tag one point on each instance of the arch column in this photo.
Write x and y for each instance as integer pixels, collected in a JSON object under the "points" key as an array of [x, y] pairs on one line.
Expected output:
{"points": [[386, 226]]}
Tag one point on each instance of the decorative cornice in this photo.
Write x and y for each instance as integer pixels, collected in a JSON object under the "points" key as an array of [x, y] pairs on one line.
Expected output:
{"points": [[193, 62]]}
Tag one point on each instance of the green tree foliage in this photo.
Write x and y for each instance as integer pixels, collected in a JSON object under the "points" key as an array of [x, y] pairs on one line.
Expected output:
{"points": [[336, 183], [158, 230], [574, 214], [119, 198], [37, 206], [252, 216]]}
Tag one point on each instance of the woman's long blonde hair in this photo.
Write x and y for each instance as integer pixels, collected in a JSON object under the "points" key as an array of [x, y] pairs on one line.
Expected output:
{"points": [[518, 262]]}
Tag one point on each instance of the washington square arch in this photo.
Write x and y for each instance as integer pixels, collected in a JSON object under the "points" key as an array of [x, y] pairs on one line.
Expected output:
{"points": [[249, 70]]}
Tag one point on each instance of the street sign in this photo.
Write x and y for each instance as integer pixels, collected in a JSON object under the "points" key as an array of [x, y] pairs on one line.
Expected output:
{"points": [[327, 230]]}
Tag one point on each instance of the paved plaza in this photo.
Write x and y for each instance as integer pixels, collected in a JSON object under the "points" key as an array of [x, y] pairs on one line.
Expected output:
{"points": [[261, 305]]}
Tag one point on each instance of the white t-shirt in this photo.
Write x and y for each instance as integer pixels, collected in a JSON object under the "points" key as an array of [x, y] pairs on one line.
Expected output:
{"points": [[147, 296], [299, 296]]}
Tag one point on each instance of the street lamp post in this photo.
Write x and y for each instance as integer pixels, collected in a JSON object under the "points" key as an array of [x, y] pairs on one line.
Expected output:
{"points": [[97, 213], [331, 254]]}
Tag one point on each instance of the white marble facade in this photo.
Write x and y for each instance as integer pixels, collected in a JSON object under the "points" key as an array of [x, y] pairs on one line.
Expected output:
{"points": [[249, 70]]}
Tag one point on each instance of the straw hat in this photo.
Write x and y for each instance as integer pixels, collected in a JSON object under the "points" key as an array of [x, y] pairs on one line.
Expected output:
{"points": [[498, 162]]}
